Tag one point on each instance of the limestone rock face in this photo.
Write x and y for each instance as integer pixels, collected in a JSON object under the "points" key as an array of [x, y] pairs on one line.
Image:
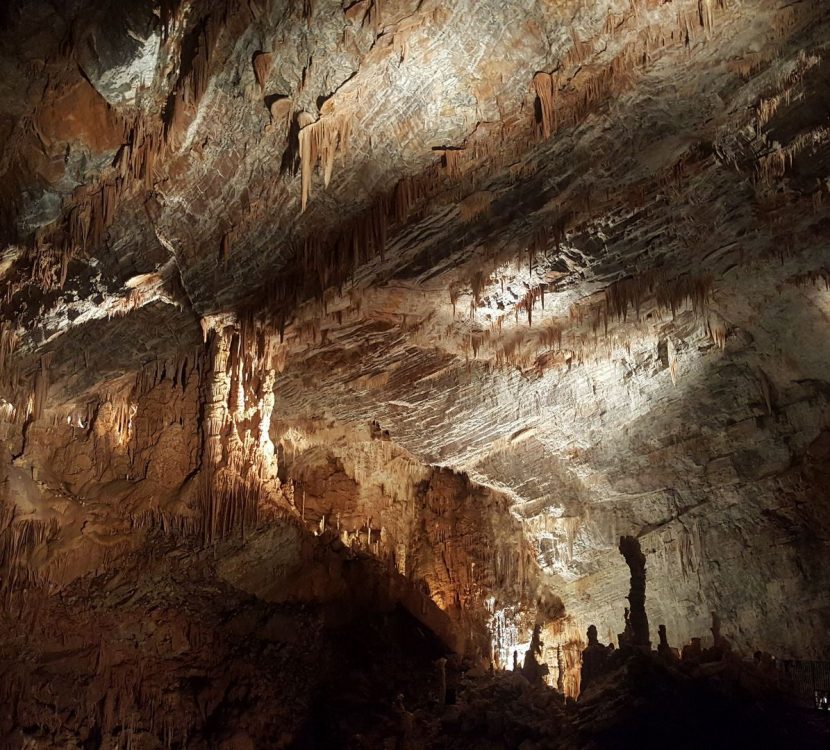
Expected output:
{"points": [[453, 294]]}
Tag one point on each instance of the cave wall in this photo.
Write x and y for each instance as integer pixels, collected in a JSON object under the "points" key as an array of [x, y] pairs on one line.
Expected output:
{"points": [[456, 542], [188, 449]]}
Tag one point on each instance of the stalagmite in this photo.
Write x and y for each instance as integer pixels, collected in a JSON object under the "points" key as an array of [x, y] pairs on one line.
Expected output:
{"points": [[664, 650], [636, 632], [594, 659], [533, 670], [442, 681]]}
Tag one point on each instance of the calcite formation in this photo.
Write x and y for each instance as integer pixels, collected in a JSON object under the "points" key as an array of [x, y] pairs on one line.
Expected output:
{"points": [[399, 321]]}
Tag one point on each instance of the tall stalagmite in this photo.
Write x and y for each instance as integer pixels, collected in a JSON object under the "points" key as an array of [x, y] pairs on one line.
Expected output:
{"points": [[636, 630]]}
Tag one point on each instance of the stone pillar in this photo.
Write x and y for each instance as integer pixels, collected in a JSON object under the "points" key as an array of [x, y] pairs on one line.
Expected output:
{"points": [[215, 393]]}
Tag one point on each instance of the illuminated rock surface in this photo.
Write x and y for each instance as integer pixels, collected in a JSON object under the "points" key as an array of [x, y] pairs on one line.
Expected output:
{"points": [[382, 322]]}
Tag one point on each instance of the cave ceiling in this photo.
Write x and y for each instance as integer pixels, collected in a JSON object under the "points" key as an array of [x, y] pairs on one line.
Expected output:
{"points": [[577, 250]]}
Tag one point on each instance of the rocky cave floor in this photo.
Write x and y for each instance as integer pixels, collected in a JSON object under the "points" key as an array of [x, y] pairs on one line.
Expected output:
{"points": [[177, 657]]}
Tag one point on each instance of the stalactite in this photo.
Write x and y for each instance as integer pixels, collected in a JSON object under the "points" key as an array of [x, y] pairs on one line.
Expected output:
{"points": [[376, 14], [669, 293], [580, 51], [193, 80], [528, 302], [819, 277], [320, 141], [451, 158], [8, 341], [281, 109], [717, 329], [767, 389], [167, 14], [224, 249], [408, 193], [262, 62], [475, 205], [543, 83], [40, 389], [705, 14], [775, 165], [672, 356], [551, 336]]}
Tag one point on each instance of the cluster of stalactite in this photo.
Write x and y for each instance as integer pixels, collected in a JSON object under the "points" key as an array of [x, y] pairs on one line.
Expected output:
{"points": [[24, 391], [328, 261], [147, 435], [365, 239], [8, 368], [196, 57], [768, 106], [588, 331], [564, 99], [819, 278], [63, 452], [775, 165], [23, 545], [324, 261], [221, 398], [319, 142], [475, 205], [669, 293], [91, 209], [468, 551]]}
